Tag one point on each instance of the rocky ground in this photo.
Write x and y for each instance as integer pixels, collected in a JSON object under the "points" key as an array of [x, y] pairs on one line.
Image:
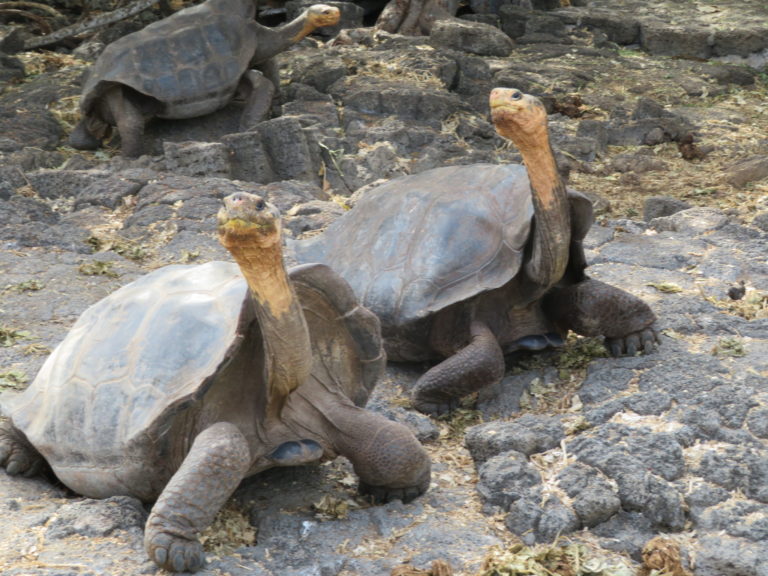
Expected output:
{"points": [[575, 461]]}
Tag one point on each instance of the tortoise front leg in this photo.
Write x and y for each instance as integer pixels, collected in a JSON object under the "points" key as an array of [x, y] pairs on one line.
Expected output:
{"points": [[593, 308], [218, 460], [475, 366], [82, 139], [388, 459]]}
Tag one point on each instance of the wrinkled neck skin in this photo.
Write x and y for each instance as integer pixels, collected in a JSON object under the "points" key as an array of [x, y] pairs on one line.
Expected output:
{"points": [[273, 41], [552, 227], [281, 319]]}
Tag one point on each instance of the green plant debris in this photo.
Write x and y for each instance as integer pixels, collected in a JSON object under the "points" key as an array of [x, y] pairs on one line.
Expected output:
{"points": [[189, 256], [729, 346], [333, 508], [461, 418], [126, 248], [666, 287], [13, 379], [36, 349], [66, 111], [25, 286], [579, 352], [576, 425], [98, 268], [554, 560], [230, 530], [131, 251], [9, 336]]}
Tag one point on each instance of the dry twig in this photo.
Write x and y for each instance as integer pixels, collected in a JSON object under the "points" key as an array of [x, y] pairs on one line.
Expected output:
{"points": [[97, 22]]}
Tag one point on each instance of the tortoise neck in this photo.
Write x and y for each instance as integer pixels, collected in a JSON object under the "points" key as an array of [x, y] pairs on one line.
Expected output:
{"points": [[273, 41], [552, 232], [267, 278], [281, 320], [297, 29]]}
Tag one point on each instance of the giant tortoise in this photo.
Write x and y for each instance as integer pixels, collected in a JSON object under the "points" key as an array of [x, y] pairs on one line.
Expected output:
{"points": [[468, 263], [187, 65], [178, 385]]}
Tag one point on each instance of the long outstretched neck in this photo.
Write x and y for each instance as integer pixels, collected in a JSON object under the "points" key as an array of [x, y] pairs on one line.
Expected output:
{"points": [[283, 37], [552, 232], [297, 29], [281, 319]]}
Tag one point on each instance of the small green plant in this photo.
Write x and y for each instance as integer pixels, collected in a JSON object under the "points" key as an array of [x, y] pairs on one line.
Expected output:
{"points": [[98, 268], [462, 418], [35, 349], [579, 352], [189, 256], [333, 508], [729, 346], [9, 336], [13, 379], [130, 250], [126, 248], [25, 286]]}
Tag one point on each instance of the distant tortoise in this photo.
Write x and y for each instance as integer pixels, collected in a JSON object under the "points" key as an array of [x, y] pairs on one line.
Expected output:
{"points": [[192, 63], [178, 386], [468, 263]]}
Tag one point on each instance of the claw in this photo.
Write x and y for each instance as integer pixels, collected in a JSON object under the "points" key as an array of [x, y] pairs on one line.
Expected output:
{"points": [[436, 408], [647, 346], [176, 554], [160, 556], [632, 344], [642, 341], [383, 494], [614, 346]]}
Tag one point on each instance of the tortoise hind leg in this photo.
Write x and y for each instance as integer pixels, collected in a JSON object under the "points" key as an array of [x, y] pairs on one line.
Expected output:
{"points": [[129, 112], [218, 460], [475, 366], [17, 454], [388, 459], [593, 308], [258, 92]]}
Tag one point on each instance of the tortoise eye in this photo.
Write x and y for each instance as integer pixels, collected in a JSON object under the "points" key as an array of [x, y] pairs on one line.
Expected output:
{"points": [[516, 95], [260, 204]]}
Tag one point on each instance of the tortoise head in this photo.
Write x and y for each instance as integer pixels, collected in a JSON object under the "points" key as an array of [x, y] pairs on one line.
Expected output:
{"points": [[319, 15], [247, 221], [518, 117]]}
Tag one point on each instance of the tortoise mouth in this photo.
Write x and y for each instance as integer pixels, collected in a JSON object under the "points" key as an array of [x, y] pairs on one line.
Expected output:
{"points": [[246, 216], [509, 100]]}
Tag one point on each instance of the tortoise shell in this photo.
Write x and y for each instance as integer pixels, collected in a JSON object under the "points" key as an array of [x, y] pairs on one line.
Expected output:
{"points": [[406, 253], [130, 360], [423, 242], [152, 348], [191, 61]]}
